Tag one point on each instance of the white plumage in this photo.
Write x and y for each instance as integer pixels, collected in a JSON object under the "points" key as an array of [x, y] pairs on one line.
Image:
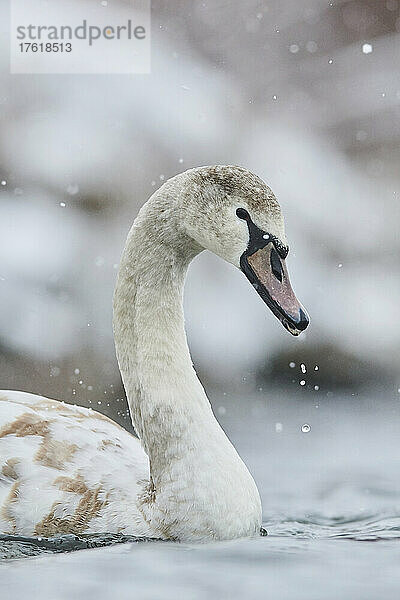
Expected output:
{"points": [[64, 467], [68, 469]]}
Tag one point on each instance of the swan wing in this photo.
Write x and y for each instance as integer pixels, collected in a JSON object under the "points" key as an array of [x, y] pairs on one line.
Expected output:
{"points": [[67, 469]]}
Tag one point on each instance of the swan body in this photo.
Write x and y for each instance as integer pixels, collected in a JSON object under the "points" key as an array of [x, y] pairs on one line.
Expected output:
{"points": [[67, 469], [63, 467]]}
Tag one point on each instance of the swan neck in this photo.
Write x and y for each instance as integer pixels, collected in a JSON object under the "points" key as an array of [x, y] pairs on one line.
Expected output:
{"points": [[163, 391]]}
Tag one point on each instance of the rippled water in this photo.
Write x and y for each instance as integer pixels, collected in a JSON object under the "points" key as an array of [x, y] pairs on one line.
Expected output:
{"points": [[331, 500]]}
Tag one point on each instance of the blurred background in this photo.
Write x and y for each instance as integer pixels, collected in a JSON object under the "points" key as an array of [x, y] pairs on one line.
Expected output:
{"points": [[307, 95]]}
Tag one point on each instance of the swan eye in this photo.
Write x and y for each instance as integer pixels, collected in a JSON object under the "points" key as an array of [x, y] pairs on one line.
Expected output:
{"points": [[242, 214], [276, 264]]}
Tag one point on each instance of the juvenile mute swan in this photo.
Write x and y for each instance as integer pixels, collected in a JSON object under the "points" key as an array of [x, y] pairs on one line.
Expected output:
{"points": [[67, 469]]}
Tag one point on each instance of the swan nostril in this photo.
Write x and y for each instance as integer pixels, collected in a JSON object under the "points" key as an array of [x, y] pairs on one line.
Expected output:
{"points": [[276, 264]]}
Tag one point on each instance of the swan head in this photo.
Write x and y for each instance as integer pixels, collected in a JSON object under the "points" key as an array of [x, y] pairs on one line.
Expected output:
{"points": [[234, 214]]}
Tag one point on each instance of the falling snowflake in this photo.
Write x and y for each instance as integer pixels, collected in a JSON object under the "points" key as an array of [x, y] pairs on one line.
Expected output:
{"points": [[366, 48]]}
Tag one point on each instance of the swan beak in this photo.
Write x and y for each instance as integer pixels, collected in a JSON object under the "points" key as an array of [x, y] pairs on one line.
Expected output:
{"points": [[268, 274]]}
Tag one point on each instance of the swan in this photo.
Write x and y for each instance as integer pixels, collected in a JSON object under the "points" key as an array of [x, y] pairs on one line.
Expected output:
{"points": [[68, 469]]}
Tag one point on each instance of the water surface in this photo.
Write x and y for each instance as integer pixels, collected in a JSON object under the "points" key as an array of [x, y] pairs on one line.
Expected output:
{"points": [[331, 500]]}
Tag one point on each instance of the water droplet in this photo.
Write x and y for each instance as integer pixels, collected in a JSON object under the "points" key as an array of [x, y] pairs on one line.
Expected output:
{"points": [[181, 160], [305, 428], [278, 427], [312, 46], [62, 204], [366, 48], [266, 236], [221, 410], [330, 61], [4, 182], [292, 365], [361, 135], [383, 94], [274, 97], [302, 382], [316, 388], [80, 382], [303, 368], [89, 387], [294, 48], [162, 177], [76, 371], [316, 368], [73, 189]]}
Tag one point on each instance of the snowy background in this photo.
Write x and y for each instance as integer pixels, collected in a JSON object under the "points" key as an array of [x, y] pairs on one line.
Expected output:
{"points": [[304, 93]]}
